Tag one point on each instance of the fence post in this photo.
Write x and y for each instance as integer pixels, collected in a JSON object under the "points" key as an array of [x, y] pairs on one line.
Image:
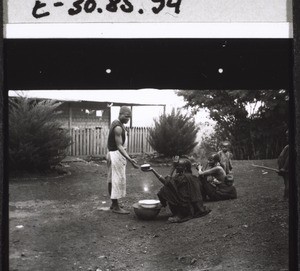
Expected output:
{"points": [[88, 141]]}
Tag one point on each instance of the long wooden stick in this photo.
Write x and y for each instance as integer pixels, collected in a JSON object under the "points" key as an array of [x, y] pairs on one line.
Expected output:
{"points": [[269, 168]]}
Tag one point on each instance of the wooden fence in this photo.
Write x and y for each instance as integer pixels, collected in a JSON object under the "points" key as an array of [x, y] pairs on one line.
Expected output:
{"points": [[90, 141]]}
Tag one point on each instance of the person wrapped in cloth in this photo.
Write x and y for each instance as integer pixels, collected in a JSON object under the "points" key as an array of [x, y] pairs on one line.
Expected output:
{"points": [[117, 158], [181, 193], [215, 185], [283, 167]]}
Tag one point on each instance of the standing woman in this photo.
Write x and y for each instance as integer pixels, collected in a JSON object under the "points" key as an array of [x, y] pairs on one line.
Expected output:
{"points": [[117, 158]]}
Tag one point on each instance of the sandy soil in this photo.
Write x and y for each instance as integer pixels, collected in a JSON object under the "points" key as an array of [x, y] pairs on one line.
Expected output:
{"points": [[58, 223]]}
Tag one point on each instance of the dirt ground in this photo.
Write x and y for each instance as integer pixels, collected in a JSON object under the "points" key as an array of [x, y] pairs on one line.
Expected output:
{"points": [[57, 223]]}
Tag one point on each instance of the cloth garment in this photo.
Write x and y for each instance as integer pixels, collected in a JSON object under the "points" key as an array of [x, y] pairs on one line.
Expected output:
{"points": [[217, 192], [182, 194], [283, 159], [283, 164], [117, 174]]}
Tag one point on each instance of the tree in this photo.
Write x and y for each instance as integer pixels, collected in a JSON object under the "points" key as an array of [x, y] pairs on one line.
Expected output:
{"points": [[36, 140], [173, 134], [253, 120]]}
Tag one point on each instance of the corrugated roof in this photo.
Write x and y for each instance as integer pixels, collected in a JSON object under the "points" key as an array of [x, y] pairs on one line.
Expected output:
{"points": [[111, 101]]}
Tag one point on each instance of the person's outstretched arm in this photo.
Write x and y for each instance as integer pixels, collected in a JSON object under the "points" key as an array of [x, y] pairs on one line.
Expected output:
{"points": [[159, 177], [210, 171]]}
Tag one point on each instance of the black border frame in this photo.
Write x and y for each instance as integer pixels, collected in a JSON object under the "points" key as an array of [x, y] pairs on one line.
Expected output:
{"points": [[294, 141]]}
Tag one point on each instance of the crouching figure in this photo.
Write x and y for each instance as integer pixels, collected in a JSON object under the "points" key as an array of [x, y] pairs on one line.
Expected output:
{"points": [[181, 193]]}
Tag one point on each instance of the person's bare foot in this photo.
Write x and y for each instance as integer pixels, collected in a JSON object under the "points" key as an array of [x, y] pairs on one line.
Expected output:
{"points": [[120, 211], [174, 219], [112, 207], [177, 219]]}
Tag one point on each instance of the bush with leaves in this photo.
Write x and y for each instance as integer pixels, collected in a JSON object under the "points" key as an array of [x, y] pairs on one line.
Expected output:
{"points": [[173, 134], [36, 140]]}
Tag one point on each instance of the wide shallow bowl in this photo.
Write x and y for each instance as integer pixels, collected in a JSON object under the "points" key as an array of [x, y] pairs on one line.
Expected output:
{"points": [[145, 213], [145, 167], [149, 203]]}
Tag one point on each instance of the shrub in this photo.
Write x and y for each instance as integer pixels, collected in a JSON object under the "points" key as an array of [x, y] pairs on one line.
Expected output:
{"points": [[36, 140], [173, 134]]}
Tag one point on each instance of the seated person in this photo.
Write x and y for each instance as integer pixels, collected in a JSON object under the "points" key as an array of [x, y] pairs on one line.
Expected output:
{"points": [[214, 183], [225, 157], [181, 193]]}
